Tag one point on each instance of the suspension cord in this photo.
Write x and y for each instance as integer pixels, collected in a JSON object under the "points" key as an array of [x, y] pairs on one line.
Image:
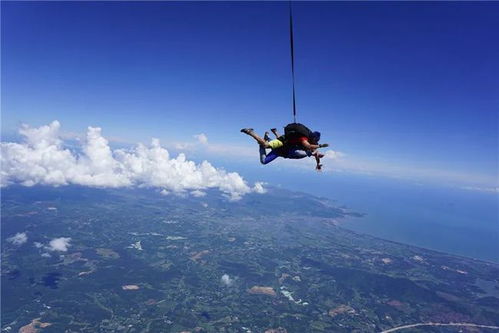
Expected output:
{"points": [[292, 58]]}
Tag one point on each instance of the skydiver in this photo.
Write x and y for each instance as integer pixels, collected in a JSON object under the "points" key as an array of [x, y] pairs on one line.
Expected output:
{"points": [[292, 148]]}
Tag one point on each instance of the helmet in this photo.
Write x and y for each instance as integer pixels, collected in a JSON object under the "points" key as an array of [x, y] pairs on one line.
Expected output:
{"points": [[316, 136]]}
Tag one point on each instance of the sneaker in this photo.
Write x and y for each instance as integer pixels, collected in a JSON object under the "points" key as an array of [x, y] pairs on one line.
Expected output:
{"points": [[266, 137], [247, 130]]}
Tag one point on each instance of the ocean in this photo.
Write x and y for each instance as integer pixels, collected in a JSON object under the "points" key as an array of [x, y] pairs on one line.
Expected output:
{"points": [[450, 220], [446, 219]]}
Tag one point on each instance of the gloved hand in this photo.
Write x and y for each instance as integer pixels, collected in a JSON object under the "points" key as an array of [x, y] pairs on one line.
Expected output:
{"points": [[323, 145]]}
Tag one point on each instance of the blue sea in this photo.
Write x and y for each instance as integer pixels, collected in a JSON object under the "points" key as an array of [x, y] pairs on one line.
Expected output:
{"points": [[446, 219], [451, 220]]}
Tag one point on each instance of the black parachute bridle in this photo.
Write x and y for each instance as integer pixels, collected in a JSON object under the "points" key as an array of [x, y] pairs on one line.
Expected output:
{"points": [[291, 43]]}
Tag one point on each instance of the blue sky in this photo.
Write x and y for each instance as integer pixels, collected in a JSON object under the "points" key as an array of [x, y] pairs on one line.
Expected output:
{"points": [[407, 90]]}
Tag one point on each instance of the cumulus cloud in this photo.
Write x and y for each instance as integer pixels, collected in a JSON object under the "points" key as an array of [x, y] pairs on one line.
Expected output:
{"points": [[42, 159], [59, 244], [18, 239], [202, 138], [227, 280]]}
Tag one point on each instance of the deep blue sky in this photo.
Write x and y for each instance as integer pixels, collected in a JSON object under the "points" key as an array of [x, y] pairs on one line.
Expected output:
{"points": [[413, 86]]}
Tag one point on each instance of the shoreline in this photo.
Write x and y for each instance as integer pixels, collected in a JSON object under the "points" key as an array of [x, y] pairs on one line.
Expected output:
{"points": [[347, 219]]}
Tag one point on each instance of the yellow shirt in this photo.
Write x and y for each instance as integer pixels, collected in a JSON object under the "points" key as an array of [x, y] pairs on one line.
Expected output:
{"points": [[274, 144]]}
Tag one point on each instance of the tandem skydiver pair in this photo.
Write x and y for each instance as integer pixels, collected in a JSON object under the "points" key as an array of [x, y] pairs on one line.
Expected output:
{"points": [[297, 142]]}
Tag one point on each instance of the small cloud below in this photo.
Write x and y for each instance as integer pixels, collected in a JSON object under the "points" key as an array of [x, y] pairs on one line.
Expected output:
{"points": [[18, 239], [59, 244], [226, 280], [258, 188]]}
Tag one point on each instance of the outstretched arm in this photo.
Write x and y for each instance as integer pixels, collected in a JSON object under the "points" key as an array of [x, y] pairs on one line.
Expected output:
{"points": [[307, 145]]}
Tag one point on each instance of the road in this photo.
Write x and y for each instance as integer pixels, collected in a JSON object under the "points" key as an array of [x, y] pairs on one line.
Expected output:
{"points": [[439, 324]]}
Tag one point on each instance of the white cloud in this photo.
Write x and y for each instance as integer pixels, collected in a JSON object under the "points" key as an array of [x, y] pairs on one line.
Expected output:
{"points": [[183, 146], [258, 188], [227, 280], [59, 244], [46, 255], [202, 138], [18, 239], [42, 159], [38, 245], [332, 155], [198, 193], [201, 141]]}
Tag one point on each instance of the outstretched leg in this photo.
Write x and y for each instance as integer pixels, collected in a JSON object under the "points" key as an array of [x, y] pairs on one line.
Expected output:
{"points": [[267, 158], [255, 136]]}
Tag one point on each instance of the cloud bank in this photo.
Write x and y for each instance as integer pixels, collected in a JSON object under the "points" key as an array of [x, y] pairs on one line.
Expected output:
{"points": [[41, 158]]}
